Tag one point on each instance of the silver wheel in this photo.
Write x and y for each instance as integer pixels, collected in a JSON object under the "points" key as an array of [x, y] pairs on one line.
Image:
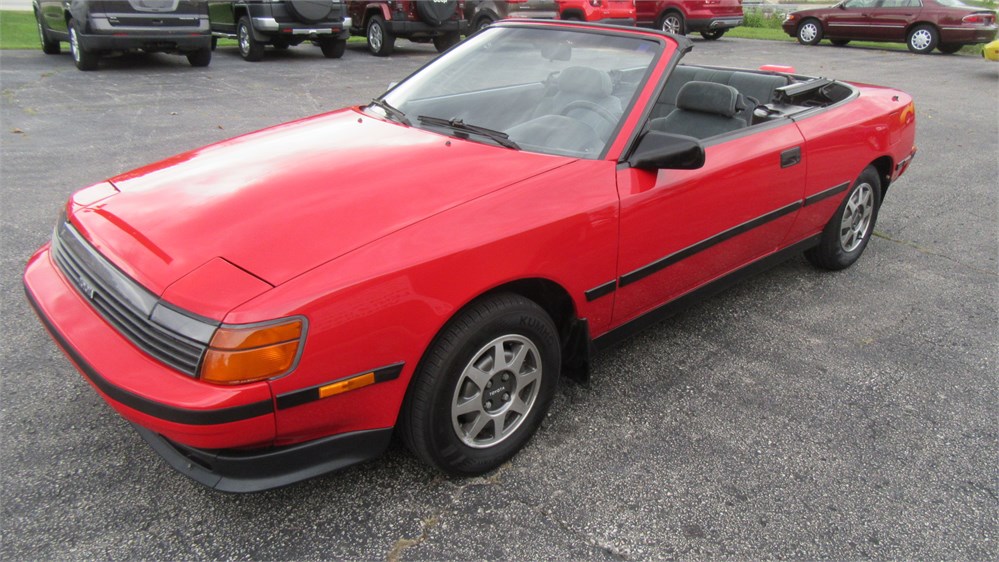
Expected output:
{"points": [[921, 39], [808, 32], [74, 45], [496, 391], [672, 23], [856, 218], [244, 40], [375, 37]]}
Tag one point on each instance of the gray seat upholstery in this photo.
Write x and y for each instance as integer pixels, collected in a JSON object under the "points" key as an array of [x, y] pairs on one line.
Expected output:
{"points": [[760, 87], [587, 86], [704, 109]]}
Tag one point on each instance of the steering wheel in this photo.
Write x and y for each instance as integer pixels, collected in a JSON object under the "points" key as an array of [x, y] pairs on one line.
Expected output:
{"points": [[601, 111]]}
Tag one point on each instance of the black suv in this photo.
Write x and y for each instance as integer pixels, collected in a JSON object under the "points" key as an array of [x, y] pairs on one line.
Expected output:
{"points": [[95, 28], [421, 21], [281, 24]]}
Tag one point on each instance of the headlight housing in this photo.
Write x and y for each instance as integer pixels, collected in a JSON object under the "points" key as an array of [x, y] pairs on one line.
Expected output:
{"points": [[239, 354]]}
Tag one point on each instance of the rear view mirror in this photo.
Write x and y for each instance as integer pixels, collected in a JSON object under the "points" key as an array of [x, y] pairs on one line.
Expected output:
{"points": [[659, 150]]}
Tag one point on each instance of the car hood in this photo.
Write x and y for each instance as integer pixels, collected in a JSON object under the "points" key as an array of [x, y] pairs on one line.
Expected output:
{"points": [[281, 201]]}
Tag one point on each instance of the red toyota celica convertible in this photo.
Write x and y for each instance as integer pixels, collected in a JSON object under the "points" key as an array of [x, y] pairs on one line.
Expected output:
{"points": [[275, 306]]}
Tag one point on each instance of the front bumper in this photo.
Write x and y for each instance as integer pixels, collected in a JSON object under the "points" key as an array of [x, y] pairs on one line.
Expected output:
{"points": [[255, 471]]}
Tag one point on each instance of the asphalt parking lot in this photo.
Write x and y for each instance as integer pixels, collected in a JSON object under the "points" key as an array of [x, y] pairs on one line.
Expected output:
{"points": [[800, 415]]}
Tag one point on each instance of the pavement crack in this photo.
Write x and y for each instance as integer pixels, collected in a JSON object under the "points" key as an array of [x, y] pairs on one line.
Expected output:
{"points": [[404, 543], [930, 252]]}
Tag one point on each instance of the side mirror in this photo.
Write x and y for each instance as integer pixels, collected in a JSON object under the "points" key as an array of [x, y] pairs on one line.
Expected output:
{"points": [[658, 150]]}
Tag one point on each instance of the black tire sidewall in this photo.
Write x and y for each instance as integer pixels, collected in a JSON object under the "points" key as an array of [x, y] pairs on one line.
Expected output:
{"points": [[933, 43], [457, 347], [829, 254], [818, 32]]}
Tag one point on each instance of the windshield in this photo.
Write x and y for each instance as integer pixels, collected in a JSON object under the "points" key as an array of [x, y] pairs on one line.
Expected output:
{"points": [[548, 90]]}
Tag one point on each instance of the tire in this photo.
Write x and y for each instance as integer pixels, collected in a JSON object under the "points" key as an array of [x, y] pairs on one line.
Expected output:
{"points": [[82, 58], [922, 39], [332, 47], [249, 48], [949, 48], [460, 391], [215, 43], [446, 41], [200, 58], [482, 23], [309, 11], [381, 42], [839, 42], [49, 46], [673, 22], [436, 12], [714, 34], [809, 32], [848, 231]]}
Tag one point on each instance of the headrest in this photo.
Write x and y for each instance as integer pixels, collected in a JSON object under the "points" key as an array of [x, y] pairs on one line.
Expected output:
{"points": [[586, 81], [710, 97]]}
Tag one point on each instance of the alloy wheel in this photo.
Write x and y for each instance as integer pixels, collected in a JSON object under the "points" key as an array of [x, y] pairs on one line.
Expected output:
{"points": [[856, 217]]}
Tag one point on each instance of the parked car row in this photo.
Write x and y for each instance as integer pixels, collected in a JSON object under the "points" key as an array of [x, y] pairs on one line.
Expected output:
{"points": [[192, 28]]}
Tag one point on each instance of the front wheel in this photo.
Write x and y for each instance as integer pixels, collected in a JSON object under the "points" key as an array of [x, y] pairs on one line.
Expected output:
{"points": [[249, 48], [922, 39], [949, 48], [446, 41], [483, 387], [381, 42], [84, 59], [810, 32], [672, 22], [714, 34], [848, 231], [49, 46], [332, 47]]}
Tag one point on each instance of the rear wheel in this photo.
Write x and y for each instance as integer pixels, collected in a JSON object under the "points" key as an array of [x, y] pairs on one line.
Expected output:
{"points": [[482, 23], [84, 59], [49, 46], [483, 387], [381, 42], [249, 48], [839, 42], [332, 47], [949, 48], [810, 32], [199, 58], [713, 34], [922, 39], [672, 22], [848, 231], [446, 41]]}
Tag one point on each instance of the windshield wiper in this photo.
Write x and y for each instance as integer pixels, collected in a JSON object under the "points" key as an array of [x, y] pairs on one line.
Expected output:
{"points": [[456, 124], [391, 111]]}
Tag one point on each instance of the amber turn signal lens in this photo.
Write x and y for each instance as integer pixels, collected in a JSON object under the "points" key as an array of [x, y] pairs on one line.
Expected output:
{"points": [[239, 355]]}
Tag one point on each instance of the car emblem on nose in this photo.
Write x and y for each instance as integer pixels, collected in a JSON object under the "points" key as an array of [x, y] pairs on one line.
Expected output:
{"points": [[88, 290]]}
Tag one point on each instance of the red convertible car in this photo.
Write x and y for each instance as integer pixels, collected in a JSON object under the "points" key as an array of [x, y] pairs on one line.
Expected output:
{"points": [[275, 306]]}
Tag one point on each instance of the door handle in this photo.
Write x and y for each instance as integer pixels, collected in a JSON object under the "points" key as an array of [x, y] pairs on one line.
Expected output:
{"points": [[790, 157]]}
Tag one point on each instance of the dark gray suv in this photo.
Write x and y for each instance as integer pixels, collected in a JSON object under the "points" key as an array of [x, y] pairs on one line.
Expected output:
{"points": [[281, 24], [95, 28]]}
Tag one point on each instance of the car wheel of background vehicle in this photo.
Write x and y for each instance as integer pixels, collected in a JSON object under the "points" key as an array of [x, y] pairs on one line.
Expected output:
{"points": [[810, 32], [848, 231], [381, 42], [483, 387], [672, 22], [949, 48], [436, 12], [446, 41], [714, 34], [839, 42], [309, 11], [249, 48], [49, 47], [922, 39], [84, 60], [202, 57], [215, 43], [482, 23], [332, 47], [280, 43]]}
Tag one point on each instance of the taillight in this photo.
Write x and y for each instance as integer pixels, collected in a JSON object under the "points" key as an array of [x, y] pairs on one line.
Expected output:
{"points": [[978, 18]]}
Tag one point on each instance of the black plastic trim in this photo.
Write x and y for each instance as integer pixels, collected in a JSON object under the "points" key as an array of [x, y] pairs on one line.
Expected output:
{"points": [[265, 469], [597, 292], [813, 199], [311, 394], [689, 251], [144, 405], [625, 331]]}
